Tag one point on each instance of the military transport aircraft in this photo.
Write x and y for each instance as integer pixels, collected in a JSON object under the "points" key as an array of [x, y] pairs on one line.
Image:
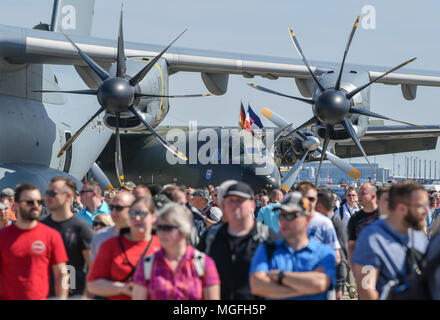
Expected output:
{"points": [[37, 125]]}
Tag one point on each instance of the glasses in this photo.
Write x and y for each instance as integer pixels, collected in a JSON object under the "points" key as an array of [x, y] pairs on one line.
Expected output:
{"points": [[99, 224], [133, 214], [53, 193], [311, 199], [118, 208], [351, 195], [166, 227], [32, 202], [289, 216], [85, 191]]}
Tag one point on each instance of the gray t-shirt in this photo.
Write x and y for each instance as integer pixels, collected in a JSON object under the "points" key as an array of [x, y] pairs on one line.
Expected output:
{"points": [[322, 230], [381, 247], [99, 238]]}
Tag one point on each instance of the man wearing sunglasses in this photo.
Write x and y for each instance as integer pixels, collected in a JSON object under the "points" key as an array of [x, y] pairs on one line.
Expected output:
{"points": [[320, 227], [119, 208], [91, 198], [298, 267], [76, 233], [29, 251]]}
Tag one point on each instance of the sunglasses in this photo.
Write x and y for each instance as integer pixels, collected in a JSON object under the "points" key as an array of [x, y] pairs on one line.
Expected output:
{"points": [[133, 214], [289, 216], [85, 191], [166, 227], [52, 193], [311, 199], [118, 208], [99, 223], [32, 202]]}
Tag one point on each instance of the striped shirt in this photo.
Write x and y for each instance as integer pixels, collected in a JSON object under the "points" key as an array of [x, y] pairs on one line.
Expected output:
{"points": [[183, 284]]}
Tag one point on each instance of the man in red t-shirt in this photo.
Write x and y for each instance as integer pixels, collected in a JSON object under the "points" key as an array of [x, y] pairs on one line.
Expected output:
{"points": [[29, 250]]}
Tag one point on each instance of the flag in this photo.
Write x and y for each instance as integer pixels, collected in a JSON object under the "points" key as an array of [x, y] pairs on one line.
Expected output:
{"points": [[242, 116], [254, 121]]}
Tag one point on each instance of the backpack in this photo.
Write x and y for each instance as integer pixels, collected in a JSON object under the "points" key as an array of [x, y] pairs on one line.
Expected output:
{"points": [[415, 286], [261, 235], [198, 260]]}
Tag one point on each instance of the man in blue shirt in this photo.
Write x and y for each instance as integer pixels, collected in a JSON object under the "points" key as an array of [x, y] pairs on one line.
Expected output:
{"points": [[268, 215], [91, 198], [298, 267], [380, 254]]}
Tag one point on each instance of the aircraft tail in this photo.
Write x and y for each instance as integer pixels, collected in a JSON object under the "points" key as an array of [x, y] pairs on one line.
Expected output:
{"points": [[75, 17]]}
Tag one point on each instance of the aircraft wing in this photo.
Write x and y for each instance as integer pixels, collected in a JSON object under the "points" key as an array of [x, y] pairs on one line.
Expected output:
{"points": [[19, 45], [380, 140]]}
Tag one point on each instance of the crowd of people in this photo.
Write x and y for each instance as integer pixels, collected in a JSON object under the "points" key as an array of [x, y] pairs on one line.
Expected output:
{"points": [[221, 242]]}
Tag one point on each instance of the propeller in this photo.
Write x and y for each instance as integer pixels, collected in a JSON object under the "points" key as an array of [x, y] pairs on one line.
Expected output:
{"points": [[333, 105], [309, 144], [120, 94]]}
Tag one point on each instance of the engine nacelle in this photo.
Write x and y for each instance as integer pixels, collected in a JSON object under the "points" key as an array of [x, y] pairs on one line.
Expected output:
{"points": [[153, 110]]}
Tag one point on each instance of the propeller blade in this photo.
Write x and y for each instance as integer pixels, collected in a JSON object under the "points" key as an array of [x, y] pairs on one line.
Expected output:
{"points": [[305, 124], [100, 177], [141, 74], [91, 92], [347, 125], [121, 67], [96, 67], [165, 143], [291, 176], [275, 118], [324, 148], [69, 142], [376, 115], [144, 95], [353, 30], [342, 165], [309, 101], [118, 156], [303, 58], [357, 90]]}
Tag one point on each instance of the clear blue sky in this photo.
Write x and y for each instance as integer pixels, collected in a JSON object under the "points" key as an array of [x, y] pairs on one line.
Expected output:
{"points": [[404, 29]]}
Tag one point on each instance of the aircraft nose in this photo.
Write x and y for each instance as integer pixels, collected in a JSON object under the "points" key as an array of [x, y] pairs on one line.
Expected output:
{"points": [[261, 177]]}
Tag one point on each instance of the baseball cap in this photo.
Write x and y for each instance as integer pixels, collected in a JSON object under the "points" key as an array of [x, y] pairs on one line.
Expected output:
{"points": [[129, 185], [295, 202], [201, 193], [240, 189]]}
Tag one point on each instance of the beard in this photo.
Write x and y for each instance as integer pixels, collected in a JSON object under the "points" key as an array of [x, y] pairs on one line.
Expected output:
{"points": [[29, 214], [415, 221]]}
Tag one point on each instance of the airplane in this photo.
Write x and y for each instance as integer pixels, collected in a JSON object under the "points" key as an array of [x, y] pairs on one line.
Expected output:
{"points": [[36, 125]]}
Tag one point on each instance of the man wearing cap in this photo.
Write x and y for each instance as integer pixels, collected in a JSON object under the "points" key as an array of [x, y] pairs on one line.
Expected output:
{"points": [[232, 244], [200, 200], [295, 267]]}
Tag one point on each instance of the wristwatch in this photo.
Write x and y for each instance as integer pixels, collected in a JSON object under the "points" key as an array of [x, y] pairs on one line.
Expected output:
{"points": [[280, 277]]}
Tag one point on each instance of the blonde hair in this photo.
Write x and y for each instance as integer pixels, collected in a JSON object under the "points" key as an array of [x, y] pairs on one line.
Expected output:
{"points": [[104, 218], [179, 216]]}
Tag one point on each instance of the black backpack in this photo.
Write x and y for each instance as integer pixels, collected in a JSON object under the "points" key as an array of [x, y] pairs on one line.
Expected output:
{"points": [[416, 285]]}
